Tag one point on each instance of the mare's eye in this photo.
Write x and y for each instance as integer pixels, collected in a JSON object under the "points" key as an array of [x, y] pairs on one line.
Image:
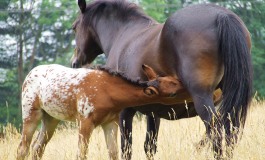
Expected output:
{"points": [[74, 30]]}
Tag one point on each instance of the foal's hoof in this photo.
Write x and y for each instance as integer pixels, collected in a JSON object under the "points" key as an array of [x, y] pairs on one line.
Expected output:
{"points": [[150, 156], [199, 146]]}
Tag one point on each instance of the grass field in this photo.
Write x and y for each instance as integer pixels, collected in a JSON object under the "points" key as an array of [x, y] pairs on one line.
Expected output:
{"points": [[177, 140]]}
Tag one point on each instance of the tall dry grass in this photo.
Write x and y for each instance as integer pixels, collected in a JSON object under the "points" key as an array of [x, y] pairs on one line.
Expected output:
{"points": [[177, 140]]}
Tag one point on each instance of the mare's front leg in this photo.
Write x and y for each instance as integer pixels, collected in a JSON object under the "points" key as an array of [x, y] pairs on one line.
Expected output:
{"points": [[150, 144], [110, 131], [48, 126], [126, 117], [86, 127]]}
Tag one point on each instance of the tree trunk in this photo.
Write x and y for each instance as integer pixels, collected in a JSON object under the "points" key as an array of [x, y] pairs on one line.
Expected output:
{"points": [[35, 45], [20, 54]]}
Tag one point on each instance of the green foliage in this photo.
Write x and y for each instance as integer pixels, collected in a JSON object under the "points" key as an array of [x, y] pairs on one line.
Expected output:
{"points": [[45, 28], [10, 112], [160, 9], [4, 4], [252, 13]]}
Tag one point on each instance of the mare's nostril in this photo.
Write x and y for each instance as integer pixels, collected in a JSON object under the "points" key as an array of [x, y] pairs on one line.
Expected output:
{"points": [[75, 64]]}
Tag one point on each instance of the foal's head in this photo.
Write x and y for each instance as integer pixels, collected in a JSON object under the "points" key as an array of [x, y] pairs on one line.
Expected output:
{"points": [[167, 86]]}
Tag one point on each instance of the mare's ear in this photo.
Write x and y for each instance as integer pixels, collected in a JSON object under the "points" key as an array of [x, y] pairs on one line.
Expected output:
{"points": [[82, 5], [151, 91], [149, 72]]}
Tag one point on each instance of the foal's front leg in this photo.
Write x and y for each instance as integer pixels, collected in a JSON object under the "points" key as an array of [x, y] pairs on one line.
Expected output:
{"points": [[86, 127], [110, 131]]}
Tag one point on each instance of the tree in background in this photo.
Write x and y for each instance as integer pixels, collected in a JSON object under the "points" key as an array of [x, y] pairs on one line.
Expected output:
{"points": [[161, 9], [32, 33]]}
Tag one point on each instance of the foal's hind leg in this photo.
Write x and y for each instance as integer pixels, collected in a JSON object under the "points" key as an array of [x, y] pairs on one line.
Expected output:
{"points": [[29, 126], [110, 131], [86, 127], [150, 143], [48, 125]]}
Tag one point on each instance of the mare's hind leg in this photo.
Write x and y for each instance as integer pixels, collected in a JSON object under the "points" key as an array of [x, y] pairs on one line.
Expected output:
{"points": [[110, 131], [48, 125], [205, 108], [150, 144], [29, 126], [126, 117], [201, 70]]}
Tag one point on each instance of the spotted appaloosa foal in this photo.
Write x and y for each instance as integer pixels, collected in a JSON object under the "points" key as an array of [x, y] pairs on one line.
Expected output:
{"points": [[52, 93]]}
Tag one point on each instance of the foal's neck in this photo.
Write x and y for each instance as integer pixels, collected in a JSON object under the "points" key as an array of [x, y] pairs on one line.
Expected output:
{"points": [[126, 94]]}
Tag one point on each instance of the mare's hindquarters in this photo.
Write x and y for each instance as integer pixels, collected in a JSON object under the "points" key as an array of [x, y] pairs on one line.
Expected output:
{"points": [[212, 50]]}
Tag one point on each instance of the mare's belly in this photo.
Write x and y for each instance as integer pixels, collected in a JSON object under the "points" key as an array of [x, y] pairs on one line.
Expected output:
{"points": [[169, 112]]}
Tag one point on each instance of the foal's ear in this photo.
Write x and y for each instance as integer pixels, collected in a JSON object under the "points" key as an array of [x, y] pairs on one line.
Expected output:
{"points": [[149, 72], [151, 91], [82, 5]]}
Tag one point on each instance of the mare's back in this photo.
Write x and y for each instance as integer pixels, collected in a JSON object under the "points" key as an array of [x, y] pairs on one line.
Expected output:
{"points": [[197, 16]]}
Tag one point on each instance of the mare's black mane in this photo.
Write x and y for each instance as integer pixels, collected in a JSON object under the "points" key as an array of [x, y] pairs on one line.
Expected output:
{"points": [[121, 9]]}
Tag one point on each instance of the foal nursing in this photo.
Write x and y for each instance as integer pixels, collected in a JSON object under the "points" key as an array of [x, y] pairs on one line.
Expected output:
{"points": [[52, 93]]}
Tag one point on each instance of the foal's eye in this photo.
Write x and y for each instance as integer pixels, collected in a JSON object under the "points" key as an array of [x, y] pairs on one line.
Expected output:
{"points": [[172, 95], [152, 92], [173, 83]]}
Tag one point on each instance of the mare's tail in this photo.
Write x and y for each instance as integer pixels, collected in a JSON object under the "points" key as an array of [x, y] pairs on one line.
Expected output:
{"points": [[237, 80]]}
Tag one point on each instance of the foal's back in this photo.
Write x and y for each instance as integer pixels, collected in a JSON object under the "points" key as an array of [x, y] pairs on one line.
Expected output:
{"points": [[53, 88]]}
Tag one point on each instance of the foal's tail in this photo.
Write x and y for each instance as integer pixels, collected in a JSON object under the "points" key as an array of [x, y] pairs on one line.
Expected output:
{"points": [[237, 80]]}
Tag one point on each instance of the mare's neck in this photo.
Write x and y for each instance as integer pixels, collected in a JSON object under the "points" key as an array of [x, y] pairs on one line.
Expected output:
{"points": [[118, 37], [109, 29]]}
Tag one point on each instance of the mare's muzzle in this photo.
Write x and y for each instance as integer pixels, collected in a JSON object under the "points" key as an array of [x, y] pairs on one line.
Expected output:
{"points": [[76, 64]]}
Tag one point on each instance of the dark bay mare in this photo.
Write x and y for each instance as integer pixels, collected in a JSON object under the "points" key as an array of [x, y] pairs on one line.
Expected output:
{"points": [[206, 46]]}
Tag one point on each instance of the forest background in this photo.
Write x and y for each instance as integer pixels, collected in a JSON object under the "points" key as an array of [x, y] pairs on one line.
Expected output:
{"points": [[40, 32]]}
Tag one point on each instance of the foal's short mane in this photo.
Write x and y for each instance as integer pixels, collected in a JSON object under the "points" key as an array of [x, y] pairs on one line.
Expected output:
{"points": [[123, 9], [122, 75]]}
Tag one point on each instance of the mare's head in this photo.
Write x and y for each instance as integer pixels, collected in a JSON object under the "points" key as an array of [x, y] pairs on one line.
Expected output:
{"points": [[87, 42], [167, 86], [98, 25]]}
